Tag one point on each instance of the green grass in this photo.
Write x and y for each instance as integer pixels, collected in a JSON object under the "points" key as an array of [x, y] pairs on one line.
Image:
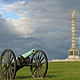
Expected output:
{"points": [[56, 71]]}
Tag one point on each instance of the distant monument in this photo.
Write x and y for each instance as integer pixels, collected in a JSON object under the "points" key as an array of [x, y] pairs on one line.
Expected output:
{"points": [[73, 51]]}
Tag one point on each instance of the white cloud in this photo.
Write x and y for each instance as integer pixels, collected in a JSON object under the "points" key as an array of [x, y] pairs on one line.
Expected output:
{"points": [[23, 26], [11, 1], [33, 43], [1, 13], [38, 15]]}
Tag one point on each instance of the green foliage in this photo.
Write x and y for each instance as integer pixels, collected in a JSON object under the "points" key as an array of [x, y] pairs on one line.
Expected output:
{"points": [[56, 71]]}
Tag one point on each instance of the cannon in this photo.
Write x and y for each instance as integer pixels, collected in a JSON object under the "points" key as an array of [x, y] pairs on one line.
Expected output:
{"points": [[10, 64]]}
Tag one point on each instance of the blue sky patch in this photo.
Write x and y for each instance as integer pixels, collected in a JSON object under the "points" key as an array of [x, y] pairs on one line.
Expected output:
{"points": [[10, 15]]}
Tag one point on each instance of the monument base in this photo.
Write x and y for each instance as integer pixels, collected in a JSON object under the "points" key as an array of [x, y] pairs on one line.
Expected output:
{"points": [[73, 53]]}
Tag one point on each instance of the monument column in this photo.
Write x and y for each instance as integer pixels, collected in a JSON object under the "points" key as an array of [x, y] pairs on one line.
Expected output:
{"points": [[73, 31], [73, 51]]}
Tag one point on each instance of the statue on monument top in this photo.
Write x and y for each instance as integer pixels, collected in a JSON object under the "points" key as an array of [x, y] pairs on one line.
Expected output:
{"points": [[73, 12]]}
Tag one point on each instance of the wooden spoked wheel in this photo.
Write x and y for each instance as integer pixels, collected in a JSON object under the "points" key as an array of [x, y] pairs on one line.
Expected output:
{"points": [[40, 64], [8, 64]]}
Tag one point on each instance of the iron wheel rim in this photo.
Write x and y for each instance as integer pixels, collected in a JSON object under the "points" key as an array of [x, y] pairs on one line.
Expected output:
{"points": [[8, 64], [41, 64]]}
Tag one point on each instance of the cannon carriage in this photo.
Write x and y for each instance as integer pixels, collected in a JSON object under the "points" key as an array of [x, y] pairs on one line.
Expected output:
{"points": [[36, 59]]}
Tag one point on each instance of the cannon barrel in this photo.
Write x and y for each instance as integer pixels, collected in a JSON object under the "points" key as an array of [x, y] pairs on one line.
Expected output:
{"points": [[28, 53]]}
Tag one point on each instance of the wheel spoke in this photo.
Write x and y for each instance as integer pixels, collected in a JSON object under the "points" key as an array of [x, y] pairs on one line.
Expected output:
{"points": [[11, 71], [12, 67], [40, 73], [42, 59], [38, 55], [4, 70], [8, 56], [36, 73], [4, 59], [2, 62], [42, 70], [34, 59], [7, 75], [43, 67], [11, 59], [34, 70], [41, 56], [2, 67]]}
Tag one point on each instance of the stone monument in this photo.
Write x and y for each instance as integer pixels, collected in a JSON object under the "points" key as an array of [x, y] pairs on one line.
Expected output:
{"points": [[73, 51]]}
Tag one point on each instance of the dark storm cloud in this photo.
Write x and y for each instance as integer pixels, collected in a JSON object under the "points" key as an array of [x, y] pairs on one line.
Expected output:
{"points": [[70, 4], [49, 23]]}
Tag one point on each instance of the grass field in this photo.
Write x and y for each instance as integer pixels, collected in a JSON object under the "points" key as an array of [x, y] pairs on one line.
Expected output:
{"points": [[56, 71]]}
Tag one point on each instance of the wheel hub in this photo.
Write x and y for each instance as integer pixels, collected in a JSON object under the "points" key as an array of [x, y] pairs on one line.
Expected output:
{"points": [[5, 65], [38, 63]]}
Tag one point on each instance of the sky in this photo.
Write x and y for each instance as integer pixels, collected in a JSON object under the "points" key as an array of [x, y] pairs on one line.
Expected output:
{"points": [[38, 24]]}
